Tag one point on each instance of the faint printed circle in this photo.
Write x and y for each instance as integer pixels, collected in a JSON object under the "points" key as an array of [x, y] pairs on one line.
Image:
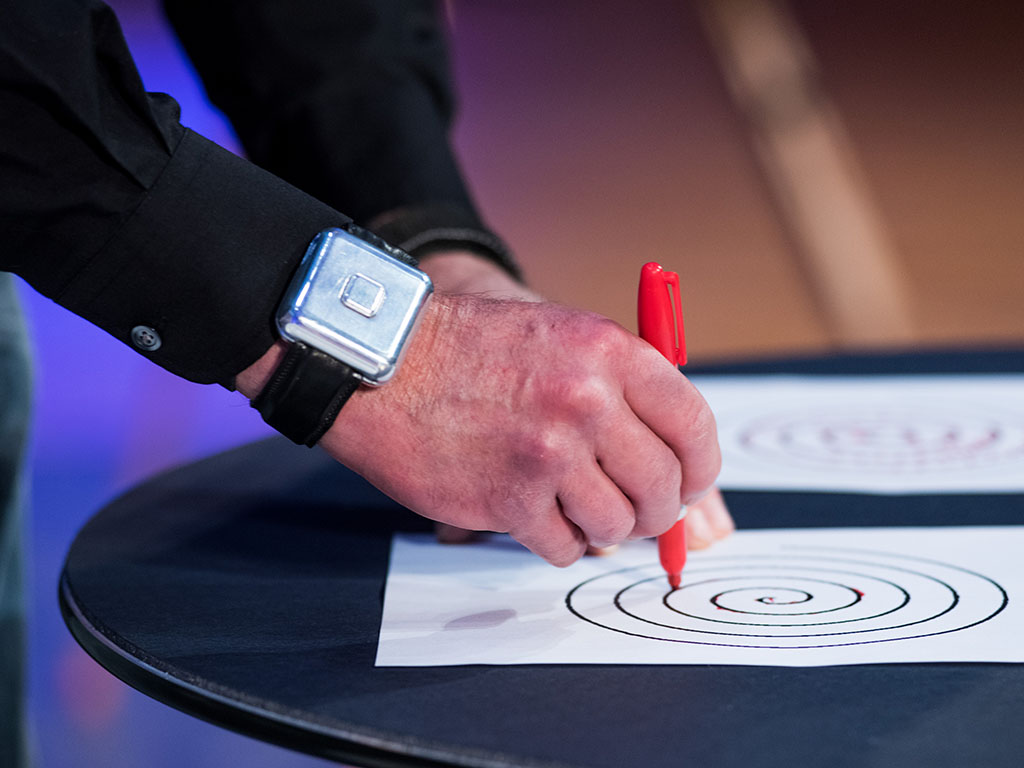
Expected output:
{"points": [[893, 440], [805, 598]]}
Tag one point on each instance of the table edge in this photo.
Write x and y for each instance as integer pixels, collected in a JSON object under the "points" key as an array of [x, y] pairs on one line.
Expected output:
{"points": [[244, 718]]}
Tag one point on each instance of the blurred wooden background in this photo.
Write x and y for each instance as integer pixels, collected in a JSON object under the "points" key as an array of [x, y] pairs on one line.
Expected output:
{"points": [[599, 135]]}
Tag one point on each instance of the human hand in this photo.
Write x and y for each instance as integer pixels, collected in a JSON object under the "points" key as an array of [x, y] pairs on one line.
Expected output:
{"points": [[533, 419], [463, 272], [707, 521]]}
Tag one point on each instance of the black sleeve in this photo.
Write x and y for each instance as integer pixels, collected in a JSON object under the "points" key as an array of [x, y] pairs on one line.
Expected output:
{"points": [[349, 100], [113, 209]]}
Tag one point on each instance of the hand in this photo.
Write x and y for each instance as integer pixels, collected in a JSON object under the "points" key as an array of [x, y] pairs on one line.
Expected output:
{"points": [[707, 521], [462, 272], [533, 419], [529, 418]]}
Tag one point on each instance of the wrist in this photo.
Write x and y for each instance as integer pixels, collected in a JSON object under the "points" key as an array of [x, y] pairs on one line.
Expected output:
{"points": [[253, 379], [398, 402], [345, 320], [459, 271]]}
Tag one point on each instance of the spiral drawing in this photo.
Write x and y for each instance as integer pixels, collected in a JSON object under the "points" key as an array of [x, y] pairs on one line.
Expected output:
{"points": [[806, 597], [895, 440]]}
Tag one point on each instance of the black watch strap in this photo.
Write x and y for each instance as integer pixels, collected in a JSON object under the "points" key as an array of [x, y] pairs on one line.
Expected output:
{"points": [[424, 229], [305, 394]]}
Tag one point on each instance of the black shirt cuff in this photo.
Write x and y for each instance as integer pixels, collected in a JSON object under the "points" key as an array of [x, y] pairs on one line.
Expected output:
{"points": [[203, 262]]}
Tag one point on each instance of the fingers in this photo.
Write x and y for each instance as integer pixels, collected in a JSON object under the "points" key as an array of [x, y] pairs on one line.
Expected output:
{"points": [[595, 505], [591, 514], [499, 401], [674, 410], [639, 477], [708, 521], [553, 536], [646, 471]]}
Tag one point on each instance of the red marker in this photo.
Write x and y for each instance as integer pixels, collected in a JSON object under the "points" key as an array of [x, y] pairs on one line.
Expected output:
{"points": [[660, 320]]}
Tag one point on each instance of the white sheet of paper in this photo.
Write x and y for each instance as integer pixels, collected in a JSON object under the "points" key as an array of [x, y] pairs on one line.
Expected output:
{"points": [[880, 434], [796, 597]]}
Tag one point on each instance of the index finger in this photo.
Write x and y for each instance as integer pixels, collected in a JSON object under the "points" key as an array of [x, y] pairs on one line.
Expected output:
{"points": [[671, 407]]}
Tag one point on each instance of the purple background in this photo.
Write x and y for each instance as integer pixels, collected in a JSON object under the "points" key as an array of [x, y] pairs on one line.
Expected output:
{"points": [[105, 418]]}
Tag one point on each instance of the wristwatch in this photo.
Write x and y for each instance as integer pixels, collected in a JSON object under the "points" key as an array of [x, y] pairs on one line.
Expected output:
{"points": [[348, 315]]}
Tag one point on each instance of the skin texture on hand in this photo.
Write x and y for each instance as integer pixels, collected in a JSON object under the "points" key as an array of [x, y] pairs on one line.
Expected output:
{"points": [[459, 272], [530, 418], [707, 521], [536, 420]]}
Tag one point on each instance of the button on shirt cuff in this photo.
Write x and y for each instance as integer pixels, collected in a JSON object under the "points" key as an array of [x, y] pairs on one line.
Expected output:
{"points": [[201, 264]]}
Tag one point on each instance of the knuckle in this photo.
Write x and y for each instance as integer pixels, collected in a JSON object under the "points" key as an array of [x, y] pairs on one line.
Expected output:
{"points": [[699, 421], [698, 478], [594, 337], [604, 334], [541, 451], [582, 395], [705, 460]]}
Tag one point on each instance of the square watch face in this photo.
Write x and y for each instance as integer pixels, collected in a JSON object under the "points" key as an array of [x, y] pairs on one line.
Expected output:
{"points": [[354, 302]]}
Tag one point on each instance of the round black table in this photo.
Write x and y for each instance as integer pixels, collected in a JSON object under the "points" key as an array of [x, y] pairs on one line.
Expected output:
{"points": [[246, 589]]}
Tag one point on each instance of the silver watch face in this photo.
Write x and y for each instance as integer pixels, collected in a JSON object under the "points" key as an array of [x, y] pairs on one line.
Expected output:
{"points": [[354, 302]]}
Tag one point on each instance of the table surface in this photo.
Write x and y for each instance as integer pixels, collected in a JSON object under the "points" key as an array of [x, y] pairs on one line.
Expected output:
{"points": [[246, 589]]}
